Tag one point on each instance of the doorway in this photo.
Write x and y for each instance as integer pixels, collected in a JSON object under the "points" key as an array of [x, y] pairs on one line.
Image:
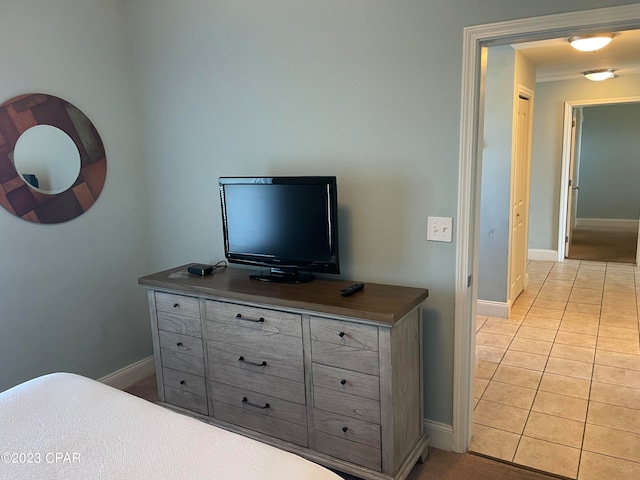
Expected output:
{"points": [[605, 227], [534, 385], [605, 243], [616, 18]]}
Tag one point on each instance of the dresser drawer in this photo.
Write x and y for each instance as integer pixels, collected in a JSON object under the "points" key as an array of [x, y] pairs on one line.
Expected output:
{"points": [[258, 421], [188, 400], [345, 345], [172, 322], [249, 400], [181, 343], [254, 318], [182, 362], [180, 304], [248, 358], [258, 382], [256, 339], [347, 381], [348, 428], [349, 451], [184, 381], [348, 405], [346, 357], [356, 335]]}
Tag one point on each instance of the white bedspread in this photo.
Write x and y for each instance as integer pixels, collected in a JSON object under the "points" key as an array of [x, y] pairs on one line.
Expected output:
{"points": [[64, 426]]}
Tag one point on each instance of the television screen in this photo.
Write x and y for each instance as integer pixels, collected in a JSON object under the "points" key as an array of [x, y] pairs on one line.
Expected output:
{"points": [[288, 224]]}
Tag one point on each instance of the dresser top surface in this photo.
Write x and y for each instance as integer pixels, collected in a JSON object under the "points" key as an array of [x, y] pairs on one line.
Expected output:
{"points": [[376, 302]]}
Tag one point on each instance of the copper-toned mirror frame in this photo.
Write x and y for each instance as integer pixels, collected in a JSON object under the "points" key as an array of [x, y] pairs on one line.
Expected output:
{"points": [[23, 112]]}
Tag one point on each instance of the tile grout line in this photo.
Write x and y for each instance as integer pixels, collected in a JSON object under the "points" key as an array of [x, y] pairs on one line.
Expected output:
{"points": [[595, 350], [585, 420], [553, 342], [494, 373], [524, 426], [582, 450], [591, 387]]}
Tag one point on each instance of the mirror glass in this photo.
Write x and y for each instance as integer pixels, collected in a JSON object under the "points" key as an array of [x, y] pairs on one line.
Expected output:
{"points": [[47, 159]]}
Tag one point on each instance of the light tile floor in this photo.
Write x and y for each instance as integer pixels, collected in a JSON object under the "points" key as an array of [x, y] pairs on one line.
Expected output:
{"points": [[557, 385]]}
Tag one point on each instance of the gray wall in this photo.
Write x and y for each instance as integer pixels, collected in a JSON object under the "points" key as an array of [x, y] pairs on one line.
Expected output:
{"points": [[496, 174], [68, 294], [506, 70], [610, 162], [368, 90], [546, 159]]}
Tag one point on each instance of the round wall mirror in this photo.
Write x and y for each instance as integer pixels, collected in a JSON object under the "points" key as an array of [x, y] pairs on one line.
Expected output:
{"points": [[52, 160]]}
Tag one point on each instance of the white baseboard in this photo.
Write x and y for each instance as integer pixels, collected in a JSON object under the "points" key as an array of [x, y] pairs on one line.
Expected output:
{"points": [[542, 255], [127, 376], [489, 308], [606, 222], [440, 435]]}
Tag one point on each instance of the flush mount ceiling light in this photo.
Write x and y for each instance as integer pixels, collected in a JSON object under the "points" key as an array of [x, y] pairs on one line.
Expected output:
{"points": [[601, 74], [591, 43]]}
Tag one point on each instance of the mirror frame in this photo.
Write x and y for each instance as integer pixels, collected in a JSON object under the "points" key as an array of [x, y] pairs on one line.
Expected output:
{"points": [[25, 111]]}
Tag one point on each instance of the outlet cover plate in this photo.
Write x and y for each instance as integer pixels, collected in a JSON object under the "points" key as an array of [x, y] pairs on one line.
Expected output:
{"points": [[440, 229]]}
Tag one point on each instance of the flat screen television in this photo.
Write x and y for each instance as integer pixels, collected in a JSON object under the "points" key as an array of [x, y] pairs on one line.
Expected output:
{"points": [[287, 224]]}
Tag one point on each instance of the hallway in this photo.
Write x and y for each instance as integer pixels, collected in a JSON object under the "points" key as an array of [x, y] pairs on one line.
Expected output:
{"points": [[557, 385], [604, 244]]}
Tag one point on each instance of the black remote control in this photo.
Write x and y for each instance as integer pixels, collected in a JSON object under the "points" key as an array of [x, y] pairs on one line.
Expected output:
{"points": [[351, 289]]}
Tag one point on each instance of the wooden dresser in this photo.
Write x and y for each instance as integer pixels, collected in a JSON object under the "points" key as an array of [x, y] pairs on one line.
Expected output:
{"points": [[335, 379]]}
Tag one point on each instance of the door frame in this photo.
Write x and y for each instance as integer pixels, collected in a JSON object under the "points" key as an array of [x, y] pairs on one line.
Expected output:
{"points": [[624, 17], [574, 174], [569, 106]]}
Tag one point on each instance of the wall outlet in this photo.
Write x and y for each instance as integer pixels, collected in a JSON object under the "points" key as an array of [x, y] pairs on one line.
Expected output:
{"points": [[440, 229]]}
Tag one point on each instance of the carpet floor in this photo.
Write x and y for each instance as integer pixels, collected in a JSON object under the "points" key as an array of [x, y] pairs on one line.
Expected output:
{"points": [[604, 244], [443, 465]]}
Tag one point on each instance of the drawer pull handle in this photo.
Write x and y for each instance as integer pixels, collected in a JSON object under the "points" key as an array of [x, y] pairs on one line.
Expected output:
{"points": [[179, 344], [344, 429], [341, 334], [176, 305], [343, 382], [182, 382], [240, 317], [255, 364], [247, 402]]}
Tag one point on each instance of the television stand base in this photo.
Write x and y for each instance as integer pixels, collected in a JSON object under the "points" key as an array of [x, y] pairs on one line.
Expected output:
{"points": [[280, 276]]}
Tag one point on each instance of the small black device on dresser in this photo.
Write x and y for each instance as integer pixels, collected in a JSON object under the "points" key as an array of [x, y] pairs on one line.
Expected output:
{"points": [[351, 289], [201, 270]]}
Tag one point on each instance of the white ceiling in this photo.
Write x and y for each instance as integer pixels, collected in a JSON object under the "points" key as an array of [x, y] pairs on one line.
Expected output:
{"points": [[557, 60]]}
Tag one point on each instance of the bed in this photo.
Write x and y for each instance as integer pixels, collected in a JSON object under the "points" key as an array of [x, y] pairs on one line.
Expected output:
{"points": [[65, 426]]}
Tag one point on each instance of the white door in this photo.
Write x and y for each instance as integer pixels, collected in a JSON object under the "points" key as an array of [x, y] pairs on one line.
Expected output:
{"points": [[572, 186], [519, 210]]}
